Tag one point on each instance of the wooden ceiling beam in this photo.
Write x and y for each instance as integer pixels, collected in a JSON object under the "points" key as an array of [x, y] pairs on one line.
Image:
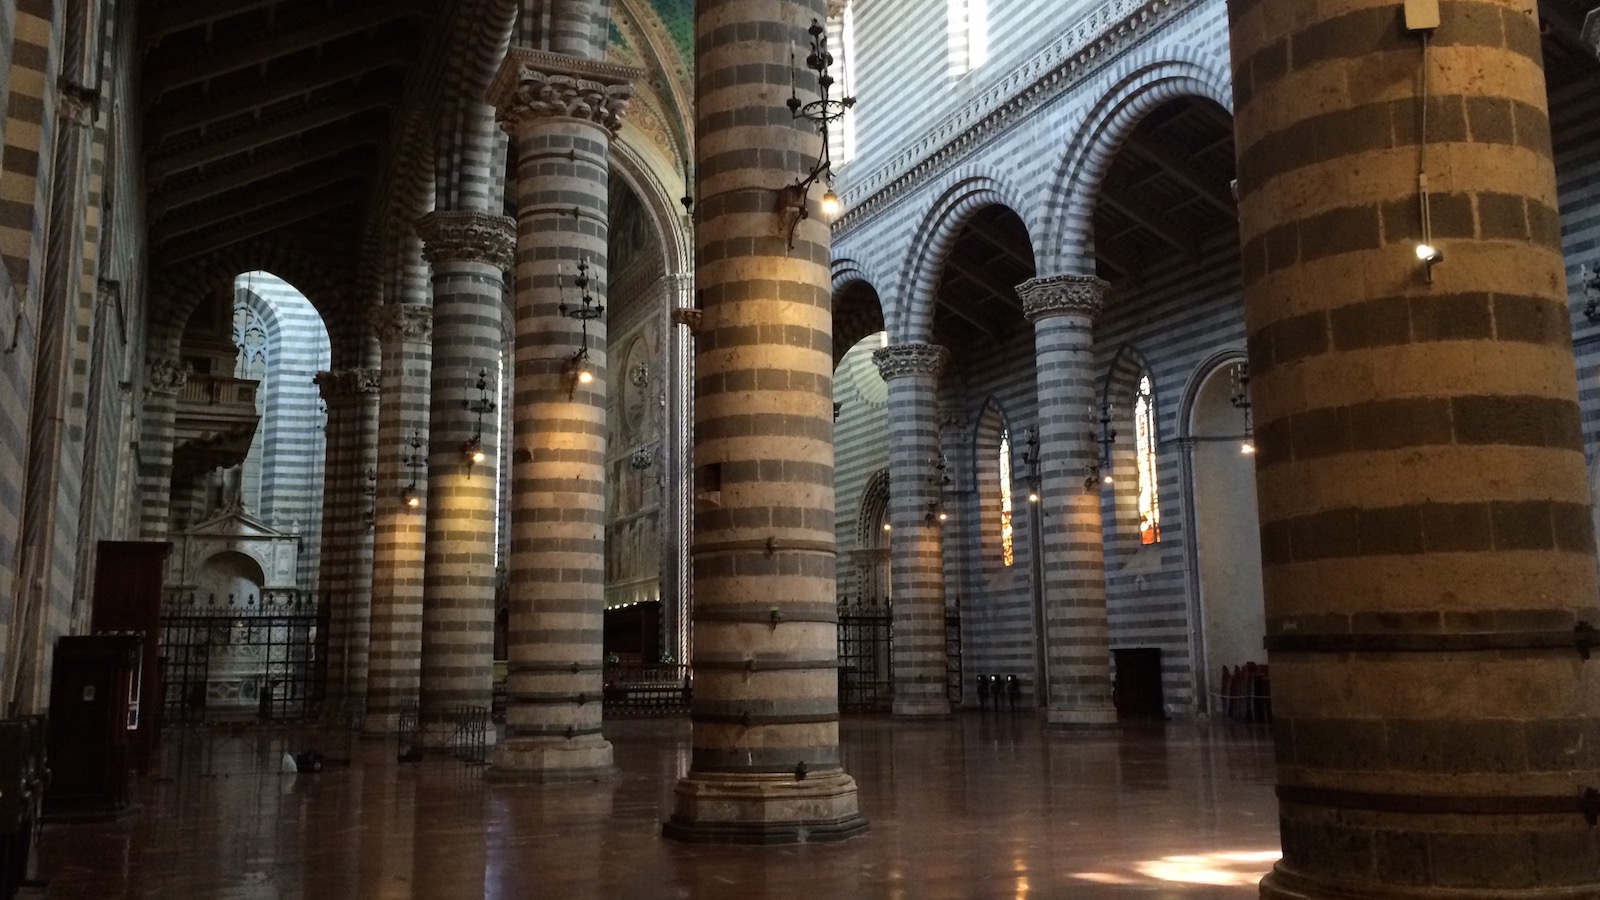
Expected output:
{"points": [[1151, 221], [263, 195], [268, 132], [1180, 169], [256, 226], [162, 124], [1007, 293], [224, 60], [955, 310], [221, 182], [180, 15]]}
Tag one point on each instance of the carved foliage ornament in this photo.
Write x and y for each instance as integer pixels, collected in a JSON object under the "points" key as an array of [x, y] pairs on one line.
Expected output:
{"points": [[910, 359], [466, 236], [534, 84], [405, 322], [167, 375], [347, 382], [1062, 295]]}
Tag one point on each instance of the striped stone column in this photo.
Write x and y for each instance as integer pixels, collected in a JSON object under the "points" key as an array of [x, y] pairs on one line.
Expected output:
{"points": [[765, 765], [1427, 549], [560, 112], [1077, 661], [469, 252], [395, 647], [344, 588], [164, 378], [916, 539]]}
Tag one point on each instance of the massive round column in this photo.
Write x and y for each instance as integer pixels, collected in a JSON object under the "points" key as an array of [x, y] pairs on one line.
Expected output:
{"points": [[470, 252], [916, 536], [765, 765], [404, 331], [345, 578], [561, 112], [1077, 642], [1427, 551]]}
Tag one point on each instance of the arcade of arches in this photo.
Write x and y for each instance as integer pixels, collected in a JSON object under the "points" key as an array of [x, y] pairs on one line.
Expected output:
{"points": [[462, 371]]}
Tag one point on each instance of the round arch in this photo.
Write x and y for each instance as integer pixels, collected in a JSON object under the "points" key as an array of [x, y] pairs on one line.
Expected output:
{"points": [[181, 291], [857, 306], [969, 192], [1141, 83], [637, 172], [1227, 606]]}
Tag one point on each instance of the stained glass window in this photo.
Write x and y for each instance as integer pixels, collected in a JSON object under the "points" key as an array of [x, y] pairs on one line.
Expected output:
{"points": [[1007, 549], [1144, 449]]}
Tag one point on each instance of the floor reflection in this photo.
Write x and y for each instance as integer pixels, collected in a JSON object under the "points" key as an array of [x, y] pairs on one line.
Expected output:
{"points": [[975, 806]]}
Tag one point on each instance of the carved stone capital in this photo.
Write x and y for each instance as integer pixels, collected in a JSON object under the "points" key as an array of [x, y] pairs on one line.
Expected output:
{"points": [[347, 383], [77, 105], [166, 375], [453, 235], [402, 321], [536, 84], [1062, 295], [912, 358]]}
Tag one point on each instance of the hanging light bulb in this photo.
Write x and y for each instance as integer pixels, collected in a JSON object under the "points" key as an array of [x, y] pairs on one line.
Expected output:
{"points": [[1248, 448], [830, 204]]}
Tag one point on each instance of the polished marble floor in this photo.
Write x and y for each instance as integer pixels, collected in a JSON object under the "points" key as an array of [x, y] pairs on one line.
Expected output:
{"points": [[976, 806]]}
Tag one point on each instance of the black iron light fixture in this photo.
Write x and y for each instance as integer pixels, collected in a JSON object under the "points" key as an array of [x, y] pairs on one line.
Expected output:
{"points": [[411, 496], [1101, 470], [1030, 459], [472, 450], [1240, 398], [1590, 279], [579, 370], [822, 112]]}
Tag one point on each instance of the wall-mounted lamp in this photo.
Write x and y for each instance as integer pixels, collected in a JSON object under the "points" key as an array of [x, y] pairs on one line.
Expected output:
{"points": [[579, 370], [642, 458], [1030, 459], [370, 490], [1101, 471], [1430, 256], [1240, 399], [472, 450], [935, 513], [411, 496], [822, 112], [1591, 293]]}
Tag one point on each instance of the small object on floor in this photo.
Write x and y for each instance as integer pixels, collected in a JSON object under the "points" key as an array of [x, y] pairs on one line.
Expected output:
{"points": [[411, 754], [309, 761], [288, 766]]}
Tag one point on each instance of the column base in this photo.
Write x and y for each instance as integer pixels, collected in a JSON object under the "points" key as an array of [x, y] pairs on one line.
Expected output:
{"points": [[922, 707], [1081, 716], [525, 760], [765, 809], [380, 724], [1283, 884]]}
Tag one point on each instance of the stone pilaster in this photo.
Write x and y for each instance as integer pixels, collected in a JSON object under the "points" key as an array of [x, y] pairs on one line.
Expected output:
{"points": [[916, 539], [405, 332], [344, 589], [1077, 642], [469, 252], [164, 379], [1428, 557], [560, 112], [678, 487], [765, 766]]}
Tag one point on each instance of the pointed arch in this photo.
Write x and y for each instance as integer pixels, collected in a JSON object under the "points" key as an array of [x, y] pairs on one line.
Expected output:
{"points": [[968, 190], [1135, 87]]}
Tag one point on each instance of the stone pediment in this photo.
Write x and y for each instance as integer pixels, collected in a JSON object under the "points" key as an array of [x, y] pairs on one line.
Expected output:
{"points": [[235, 523]]}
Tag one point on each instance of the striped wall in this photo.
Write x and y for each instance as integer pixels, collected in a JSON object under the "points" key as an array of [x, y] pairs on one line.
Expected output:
{"points": [[1575, 129], [1175, 317], [69, 324], [288, 481]]}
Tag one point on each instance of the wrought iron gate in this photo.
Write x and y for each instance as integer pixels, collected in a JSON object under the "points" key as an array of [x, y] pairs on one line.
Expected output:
{"points": [[240, 666], [866, 653], [866, 645]]}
